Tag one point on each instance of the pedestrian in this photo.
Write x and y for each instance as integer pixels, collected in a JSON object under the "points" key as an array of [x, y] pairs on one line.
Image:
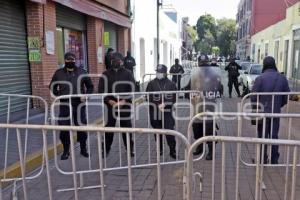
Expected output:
{"points": [[160, 109], [76, 78], [177, 70], [129, 62], [233, 74], [108, 58], [270, 81], [206, 80], [117, 80]]}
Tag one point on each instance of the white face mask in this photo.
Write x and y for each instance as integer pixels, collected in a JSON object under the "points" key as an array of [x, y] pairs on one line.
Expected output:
{"points": [[160, 76]]}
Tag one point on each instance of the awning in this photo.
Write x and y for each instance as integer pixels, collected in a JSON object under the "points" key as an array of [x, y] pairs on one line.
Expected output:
{"points": [[96, 10], [39, 1]]}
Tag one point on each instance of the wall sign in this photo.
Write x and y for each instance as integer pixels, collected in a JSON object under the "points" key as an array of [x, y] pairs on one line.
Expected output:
{"points": [[106, 39], [50, 45], [34, 49]]}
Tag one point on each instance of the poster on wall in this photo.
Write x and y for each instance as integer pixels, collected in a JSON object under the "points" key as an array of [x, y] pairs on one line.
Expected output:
{"points": [[100, 55], [50, 46], [34, 52], [106, 39]]}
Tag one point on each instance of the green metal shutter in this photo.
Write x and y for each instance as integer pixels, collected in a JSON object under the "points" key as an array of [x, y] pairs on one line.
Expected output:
{"points": [[68, 18], [14, 69]]}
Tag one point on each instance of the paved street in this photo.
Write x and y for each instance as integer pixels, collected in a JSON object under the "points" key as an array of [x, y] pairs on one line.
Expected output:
{"points": [[145, 181]]}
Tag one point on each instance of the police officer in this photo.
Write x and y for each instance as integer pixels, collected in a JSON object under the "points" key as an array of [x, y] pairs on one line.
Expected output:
{"points": [[161, 106], [129, 62], [233, 74], [117, 80], [177, 69], [65, 82], [108, 58], [206, 80]]}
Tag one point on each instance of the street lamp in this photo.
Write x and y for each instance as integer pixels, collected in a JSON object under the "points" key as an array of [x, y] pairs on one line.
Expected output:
{"points": [[159, 4]]}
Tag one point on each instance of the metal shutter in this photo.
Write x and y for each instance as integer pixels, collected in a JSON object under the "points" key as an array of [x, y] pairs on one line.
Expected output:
{"points": [[68, 18], [14, 69], [112, 29]]}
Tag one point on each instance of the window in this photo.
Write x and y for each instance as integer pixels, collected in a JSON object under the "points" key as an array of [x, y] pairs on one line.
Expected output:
{"points": [[266, 49], [276, 51], [71, 41]]}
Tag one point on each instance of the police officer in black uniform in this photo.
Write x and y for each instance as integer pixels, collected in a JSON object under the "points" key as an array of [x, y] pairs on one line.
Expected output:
{"points": [[108, 83], [177, 69], [108, 58], [129, 62], [207, 81], [161, 106], [72, 76], [233, 74]]}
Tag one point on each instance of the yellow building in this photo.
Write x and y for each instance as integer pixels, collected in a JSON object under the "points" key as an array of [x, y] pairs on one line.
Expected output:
{"points": [[282, 41]]}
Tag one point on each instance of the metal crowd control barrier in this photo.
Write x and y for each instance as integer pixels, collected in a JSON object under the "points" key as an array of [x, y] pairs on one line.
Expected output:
{"points": [[101, 169], [289, 109], [11, 137], [149, 77], [95, 102], [222, 190], [239, 117]]}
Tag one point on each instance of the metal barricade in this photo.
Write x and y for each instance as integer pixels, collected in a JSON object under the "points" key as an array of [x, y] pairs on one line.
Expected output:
{"points": [[241, 119], [226, 179], [290, 108], [11, 139], [140, 119], [100, 169]]}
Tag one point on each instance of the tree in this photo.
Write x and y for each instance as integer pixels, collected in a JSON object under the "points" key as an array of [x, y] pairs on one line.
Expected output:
{"points": [[206, 23], [206, 30], [192, 32], [226, 36], [216, 51]]}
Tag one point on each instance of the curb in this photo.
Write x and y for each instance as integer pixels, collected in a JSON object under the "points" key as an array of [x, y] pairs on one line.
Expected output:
{"points": [[35, 159]]}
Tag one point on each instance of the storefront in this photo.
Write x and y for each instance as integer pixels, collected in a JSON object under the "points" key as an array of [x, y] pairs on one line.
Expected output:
{"points": [[14, 66], [110, 36], [71, 35]]}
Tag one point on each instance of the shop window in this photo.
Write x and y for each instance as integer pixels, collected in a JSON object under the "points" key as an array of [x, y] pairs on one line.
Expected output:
{"points": [[71, 41]]}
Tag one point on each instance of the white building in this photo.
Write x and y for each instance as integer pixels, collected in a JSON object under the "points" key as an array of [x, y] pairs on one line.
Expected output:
{"points": [[144, 37]]}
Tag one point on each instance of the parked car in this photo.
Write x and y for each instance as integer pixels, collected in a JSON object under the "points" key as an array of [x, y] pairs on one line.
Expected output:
{"points": [[245, 65], [249, 77]]}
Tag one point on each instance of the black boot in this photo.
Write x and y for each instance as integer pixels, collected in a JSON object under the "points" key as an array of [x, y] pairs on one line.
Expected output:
{"points": [[66, 152], [199, 150], [173, 153], [83, 150], [209, 155]]}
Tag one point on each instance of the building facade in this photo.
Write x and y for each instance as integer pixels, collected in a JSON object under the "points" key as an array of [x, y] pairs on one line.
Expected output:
{"points": [[243, 44], [35, 34], [279, 38], [187, 40], [144, 37]]}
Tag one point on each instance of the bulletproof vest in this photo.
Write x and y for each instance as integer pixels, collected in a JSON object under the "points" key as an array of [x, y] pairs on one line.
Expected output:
{"points": [[206, 80]]}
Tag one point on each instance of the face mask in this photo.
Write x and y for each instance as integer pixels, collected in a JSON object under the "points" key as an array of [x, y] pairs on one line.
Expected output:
{"points": [[70, 65], [116, 65], [160, 76]]}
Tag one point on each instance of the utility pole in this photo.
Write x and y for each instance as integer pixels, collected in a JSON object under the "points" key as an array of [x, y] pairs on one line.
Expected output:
{"points": [[157, 25]]}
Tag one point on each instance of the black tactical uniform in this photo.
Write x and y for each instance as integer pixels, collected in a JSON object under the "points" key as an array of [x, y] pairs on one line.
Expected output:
{"points": [[108, 83], [177, 69], [207, 81], [71, 76], [233, 74], [162, 119], [129, 62]]}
